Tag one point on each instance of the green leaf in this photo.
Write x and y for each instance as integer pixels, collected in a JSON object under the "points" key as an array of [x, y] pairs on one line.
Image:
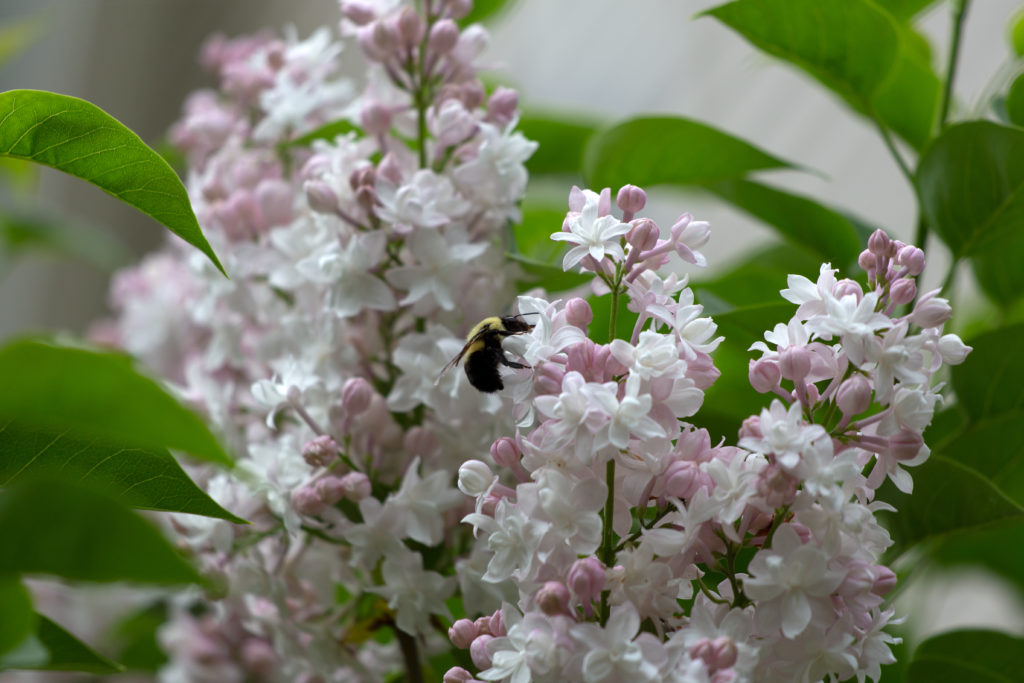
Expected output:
{"points": [[327, 132], [990, 382], [854, 48], [562, 142], [79, 138], [904, 10], [948, 498], [19, 620], [50, 526], [970, 655], [1017, 35], [997, 268], [669, 150], [25, 231], [551, 278], [998, 548], [484, 9], [993, 447], [747, 325], [145, 479], [1015, 101], [533, 235], [100, 395], [136, 636], [755, 280], [802, 221], [51, 648], [971, 184]]}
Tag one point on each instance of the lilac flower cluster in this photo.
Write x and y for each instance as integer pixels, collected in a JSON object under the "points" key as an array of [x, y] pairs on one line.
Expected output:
{"points": [[362, 228], [640, 551]]}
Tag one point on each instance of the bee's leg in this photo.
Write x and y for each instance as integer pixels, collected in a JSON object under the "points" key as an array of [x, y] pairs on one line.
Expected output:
{"points": [[503, 359]]}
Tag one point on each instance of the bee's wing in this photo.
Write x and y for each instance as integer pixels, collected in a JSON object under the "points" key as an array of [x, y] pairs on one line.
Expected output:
{"points": [[458, 357]]}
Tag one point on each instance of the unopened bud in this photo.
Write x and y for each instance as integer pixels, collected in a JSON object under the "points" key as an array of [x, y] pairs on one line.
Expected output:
{"points": [[905, 445], [644, 234], [386, 38], [586, 578], [390, 168], [854, 395], [547, 378], [847, 287], [320, 452], [553, 598], [375, 119], [359, 13], [457, 674], [683, 479], [421, 442], [931, 311], [330, 489], [795, 363], [866, 261], [506, 453], [478, 652], [475, 477], [578, 313], [356, 395], [459, 8], [443, 36], [306, 501], [878, 243], [751, 427], [903, 291], [356, 486], [631, 199], [462, 633], [911, 258], [764, 375], [411, 27], [497, 625], [953, 350], [885, 581], [320, 196]]}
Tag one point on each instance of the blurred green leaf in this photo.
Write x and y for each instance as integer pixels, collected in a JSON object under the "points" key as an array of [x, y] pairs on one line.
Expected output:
{"points": [[136, 636], [756, 280], [802, 221], [998, 548], [533, 234], [599, 329], [968, 655], [562, 141], [904, 9], [993, 447], [92, 394], [1015, 101], [851, 46], [997, 268], [1017, 34], [24, 231], [50, 526], [79, 138], [146, 479], [971, 184], [19, 619], [747, 324], [948, 498], [485, 10], [990, 382], [327, 132], [669, 150], [51, 648], [551, 277], [17, 35]]}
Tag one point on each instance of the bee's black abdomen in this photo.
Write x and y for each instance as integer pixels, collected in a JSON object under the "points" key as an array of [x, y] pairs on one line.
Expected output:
{"points": [[482, 370]]}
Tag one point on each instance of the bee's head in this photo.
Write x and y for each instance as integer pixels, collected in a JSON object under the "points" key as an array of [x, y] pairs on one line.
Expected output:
{"points": [[516, 324]]}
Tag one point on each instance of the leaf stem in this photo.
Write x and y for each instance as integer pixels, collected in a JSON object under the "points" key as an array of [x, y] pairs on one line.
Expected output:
{"points": [[891, 146], [960, 13]]}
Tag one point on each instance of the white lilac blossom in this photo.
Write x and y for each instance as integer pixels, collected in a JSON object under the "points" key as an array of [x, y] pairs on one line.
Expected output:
{"points": [[358, 261], [621, 420]]}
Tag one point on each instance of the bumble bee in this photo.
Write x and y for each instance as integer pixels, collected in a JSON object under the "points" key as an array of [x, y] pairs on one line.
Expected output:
{"points": [[483, 351]]}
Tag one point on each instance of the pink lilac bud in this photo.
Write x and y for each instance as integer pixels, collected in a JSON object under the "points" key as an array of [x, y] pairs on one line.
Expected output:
{"points": [[475, 477], [411, 27], [390, 169], [931, 310], [457, 674], [274, 198], [506, 453], [356, 486], [386, 38], [751, 427], [854, 395], [330, 489], [631, 199], [258, 657], [847, 287], [586, 578], [547, 378], [795, 363], [462, 633], [478, 652], [723, 653], [764, 375], [912, 259], [360, 13], [903, 291], [306, 501], [885, 580], [802, 532], [644, 234], [683, 478], [776, 486], [503, 105], [356, 395], [553, 598], [483, 625], [701, 369], [497, 624], [953, 350], [443, 37], [578, 313], [878, 243], [320, 452], [905, 445], [866, 261], [859, 579], [320, 196], [459, 8], [375, 119]]}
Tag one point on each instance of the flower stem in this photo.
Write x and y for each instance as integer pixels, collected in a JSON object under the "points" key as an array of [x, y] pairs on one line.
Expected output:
{"points": [[608, 536], [960, 13], [410, 655]]}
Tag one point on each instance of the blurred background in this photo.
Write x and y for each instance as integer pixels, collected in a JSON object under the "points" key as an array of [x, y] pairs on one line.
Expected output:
{"points": [[602, 59]]}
